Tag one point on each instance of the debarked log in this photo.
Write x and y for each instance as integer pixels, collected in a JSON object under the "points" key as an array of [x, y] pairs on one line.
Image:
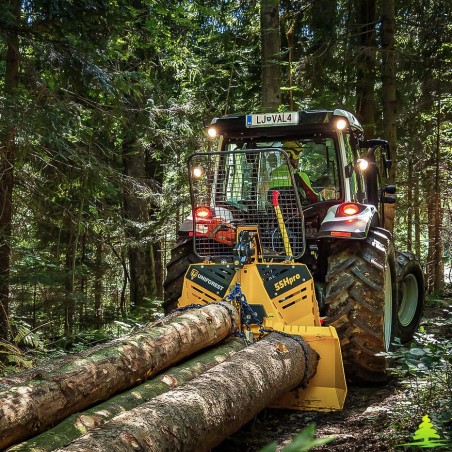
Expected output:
{"points": [[45, 400], [202, 413], [78, 424]]}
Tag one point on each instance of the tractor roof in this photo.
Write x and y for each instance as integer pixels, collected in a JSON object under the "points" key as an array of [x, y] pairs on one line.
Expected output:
{"points": [[283, 123]]}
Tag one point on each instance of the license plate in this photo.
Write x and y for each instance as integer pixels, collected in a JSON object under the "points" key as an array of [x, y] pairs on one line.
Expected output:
{"points": [[272, 119]]}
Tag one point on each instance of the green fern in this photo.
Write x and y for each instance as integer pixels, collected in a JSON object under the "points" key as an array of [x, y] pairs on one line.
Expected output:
{"points": [[12, 355], [26, 336], [302, 442]]}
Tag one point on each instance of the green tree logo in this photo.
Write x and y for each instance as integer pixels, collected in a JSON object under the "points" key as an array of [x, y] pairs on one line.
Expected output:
{"points": [[425, 436]]}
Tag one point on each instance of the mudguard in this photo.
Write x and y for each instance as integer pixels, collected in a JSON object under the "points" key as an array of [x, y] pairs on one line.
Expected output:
{"points": [[350, 227]]}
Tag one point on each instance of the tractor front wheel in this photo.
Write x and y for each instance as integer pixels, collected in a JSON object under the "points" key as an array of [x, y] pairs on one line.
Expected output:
{"points": [[411, 294], [361, 303]]}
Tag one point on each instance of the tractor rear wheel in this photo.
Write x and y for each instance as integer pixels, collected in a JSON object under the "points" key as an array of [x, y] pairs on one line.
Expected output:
{"points": [[182, 255], [361, 303], [411, 294]]}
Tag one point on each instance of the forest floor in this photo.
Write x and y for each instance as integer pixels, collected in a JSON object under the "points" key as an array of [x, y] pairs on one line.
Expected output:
{"points": [[373, 419]]}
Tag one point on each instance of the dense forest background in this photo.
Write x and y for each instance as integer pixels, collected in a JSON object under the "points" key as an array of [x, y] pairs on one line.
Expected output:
{"points": [[101, 102]]}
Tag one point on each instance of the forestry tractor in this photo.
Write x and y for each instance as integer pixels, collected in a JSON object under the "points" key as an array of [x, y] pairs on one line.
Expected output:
{"points": [[287, 223]]}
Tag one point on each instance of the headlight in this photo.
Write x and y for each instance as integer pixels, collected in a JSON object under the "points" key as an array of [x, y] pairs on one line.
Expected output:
{"points": [[362, 164], [341, 124], [212, 132]]}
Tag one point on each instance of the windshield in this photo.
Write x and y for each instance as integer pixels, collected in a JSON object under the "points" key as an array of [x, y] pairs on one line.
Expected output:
{"points": [[244, 195], [314, 161]]}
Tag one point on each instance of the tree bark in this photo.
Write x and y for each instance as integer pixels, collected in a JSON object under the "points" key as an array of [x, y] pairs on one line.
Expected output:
{"points": [[271, 49], [388, 91], [290, 22], [32, 408], [69, 297], [201, 414], [155, 174], [435, 265], [365, 76], [410, 207], [136, 213], [431, 258], [417, 212], [98, 282], [78, 424], [438, 277], [7, 157]]}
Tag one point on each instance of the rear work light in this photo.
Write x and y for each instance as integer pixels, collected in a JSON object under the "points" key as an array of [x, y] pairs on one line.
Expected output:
{"points": [[348, 209], [203, 213]]}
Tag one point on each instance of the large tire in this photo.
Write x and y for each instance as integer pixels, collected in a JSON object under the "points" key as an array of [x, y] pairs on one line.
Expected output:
{"points": [[361, 303], [182, 255], [411, 293]]}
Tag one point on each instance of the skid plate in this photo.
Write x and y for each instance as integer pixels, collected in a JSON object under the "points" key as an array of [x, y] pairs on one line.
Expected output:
{"points": [[328, 389]]}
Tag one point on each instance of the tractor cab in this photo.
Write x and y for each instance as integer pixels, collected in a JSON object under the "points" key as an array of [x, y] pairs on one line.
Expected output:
{"points": [[336, 186]]}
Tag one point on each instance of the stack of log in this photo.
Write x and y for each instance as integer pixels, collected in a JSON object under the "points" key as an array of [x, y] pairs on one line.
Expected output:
{"points": [[72, 405]]}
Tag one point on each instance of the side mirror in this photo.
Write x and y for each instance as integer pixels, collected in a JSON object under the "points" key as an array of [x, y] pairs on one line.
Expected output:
{"points": [[373, 143], [389, 199], [349, 170], [390, 189]]}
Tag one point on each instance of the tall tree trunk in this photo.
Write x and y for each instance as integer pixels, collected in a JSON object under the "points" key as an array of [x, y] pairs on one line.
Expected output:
{"points": [[157, 282], [98, 282], [7, 156], [154, 173], [417, 214], [83, 295], [345, 73], [410, 207], [271, 49], [365, 87], [125, 280], [431, 258], [438, 276], [69, 302], [388, 78], [290, 22], [136, 213]]}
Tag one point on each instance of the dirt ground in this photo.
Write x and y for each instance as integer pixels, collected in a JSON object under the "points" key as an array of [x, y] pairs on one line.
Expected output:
{"points": [[362, 425], [365, 424]]}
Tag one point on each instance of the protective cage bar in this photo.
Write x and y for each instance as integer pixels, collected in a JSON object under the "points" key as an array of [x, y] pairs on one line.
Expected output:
{"points": [[236, 188]]}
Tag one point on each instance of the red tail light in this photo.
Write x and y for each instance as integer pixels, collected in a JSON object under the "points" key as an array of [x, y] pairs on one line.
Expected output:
{"points": [[348, 209], [203, 213]]}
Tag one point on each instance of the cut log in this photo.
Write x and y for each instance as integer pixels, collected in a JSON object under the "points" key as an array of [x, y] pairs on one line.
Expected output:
{"points": [[202, 413], [52, 365], [78, 424], [41, 403]]}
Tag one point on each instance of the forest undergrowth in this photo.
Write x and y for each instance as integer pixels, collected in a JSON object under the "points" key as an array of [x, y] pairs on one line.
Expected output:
{"points": [[374, 418], [382, 418]]}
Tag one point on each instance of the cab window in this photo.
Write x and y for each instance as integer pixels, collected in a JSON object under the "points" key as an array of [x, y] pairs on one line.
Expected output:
{"points": [[355, 180], [319, 162]]}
